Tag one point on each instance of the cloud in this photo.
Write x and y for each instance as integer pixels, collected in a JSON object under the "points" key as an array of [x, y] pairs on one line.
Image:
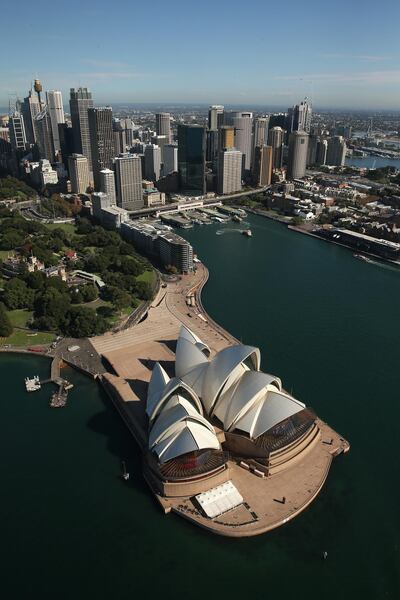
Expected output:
{"points": [[364, 57], [369, 77]]}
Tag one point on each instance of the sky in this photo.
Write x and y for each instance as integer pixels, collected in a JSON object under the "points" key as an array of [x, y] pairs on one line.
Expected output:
{"points": [[342, 54]]}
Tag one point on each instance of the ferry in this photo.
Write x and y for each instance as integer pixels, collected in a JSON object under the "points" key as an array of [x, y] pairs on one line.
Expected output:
{"points": [[32, 385], [247, 232]]}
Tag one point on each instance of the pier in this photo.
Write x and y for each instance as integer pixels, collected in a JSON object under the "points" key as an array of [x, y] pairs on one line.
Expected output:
{"points": [[59, 397]]}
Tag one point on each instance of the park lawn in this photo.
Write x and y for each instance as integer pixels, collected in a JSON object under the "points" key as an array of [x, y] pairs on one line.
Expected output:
{"points": [[147, 276], [67, 227], [19, 317], [4, 254], [21, 339]]}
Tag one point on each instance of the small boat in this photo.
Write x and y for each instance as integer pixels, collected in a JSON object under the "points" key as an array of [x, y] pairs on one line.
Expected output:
{"points": [[247, 232], [125, 474], [325, 555], [236, 218], [362, 257]]}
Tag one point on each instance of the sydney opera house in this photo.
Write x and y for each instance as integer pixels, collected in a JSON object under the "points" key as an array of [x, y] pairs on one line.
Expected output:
{"points": [[224, 439]]}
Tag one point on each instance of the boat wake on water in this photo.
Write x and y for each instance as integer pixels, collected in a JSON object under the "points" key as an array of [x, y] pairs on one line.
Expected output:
{"points": [[377, 263], [244, 224]]}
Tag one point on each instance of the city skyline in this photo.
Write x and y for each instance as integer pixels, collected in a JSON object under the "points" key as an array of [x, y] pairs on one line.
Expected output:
{"points": [[274, 57]]}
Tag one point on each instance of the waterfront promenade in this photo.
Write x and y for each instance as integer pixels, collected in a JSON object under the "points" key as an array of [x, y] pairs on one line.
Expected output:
{"points": [[131, 354]]}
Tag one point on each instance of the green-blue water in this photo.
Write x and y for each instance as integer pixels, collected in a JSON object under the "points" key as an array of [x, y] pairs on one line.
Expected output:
{"points": [[328, 325]]}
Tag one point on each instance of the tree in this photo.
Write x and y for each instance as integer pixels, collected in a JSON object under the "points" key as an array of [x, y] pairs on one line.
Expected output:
{"points": [[17, 294], [5, 323], [52, 303], [89, 292], [144, 290], [81, 321]]}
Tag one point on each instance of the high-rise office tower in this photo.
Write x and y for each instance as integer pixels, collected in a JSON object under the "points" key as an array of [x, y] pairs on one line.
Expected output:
{"points": [[215, 117], [163, 125], [44, 135], [56, 113], [260, 136], [275, 140], [192, 158], [80, 101], [243, 125], [262, 168], [170, 159], [226, 137], [30, 108], [128, 176], [78, 173], [17, 131], [161, 141], [101, 140], [152, 161], [299, 117], [297, 159], [107, 184], [66, 136], [229, 171], [212, 144], [313, 141], [322, 149], [336, 153]]}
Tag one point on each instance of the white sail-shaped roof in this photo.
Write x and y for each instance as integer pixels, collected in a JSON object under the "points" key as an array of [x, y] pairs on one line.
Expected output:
{"points": [[187, 357], [158, 381], [174, 386], [265, 412], [187, 436], [191, 337], [220, 369], [251, 386], [177, 410]]}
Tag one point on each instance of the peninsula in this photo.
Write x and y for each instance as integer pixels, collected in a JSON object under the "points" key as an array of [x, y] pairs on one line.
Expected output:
{"points": [[223, 444]]}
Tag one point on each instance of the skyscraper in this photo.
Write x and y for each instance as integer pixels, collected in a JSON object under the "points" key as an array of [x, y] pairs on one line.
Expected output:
{"points": [[78, 173], [30, 108], [152, 161], [56, 113], [17, 131], [243, 124], [101, 141], [107, 184], [161, 141], [192, 158], [128, 176], [297, 159], [260, 136], [44, 135], [226, 137], [170, 159], [229, 171], [322, 149], [336, 154], [275, 140], [66, 136], [299, 117], [163, 125], [80, 101], [215, 117], [262, 168]]}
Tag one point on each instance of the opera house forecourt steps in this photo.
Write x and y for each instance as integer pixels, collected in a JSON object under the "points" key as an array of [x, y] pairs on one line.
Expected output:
{"points": [[223, 444]]}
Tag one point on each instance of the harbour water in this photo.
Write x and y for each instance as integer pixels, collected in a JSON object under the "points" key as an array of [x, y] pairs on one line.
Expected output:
{"points": [[372, 162], [328, 325]]}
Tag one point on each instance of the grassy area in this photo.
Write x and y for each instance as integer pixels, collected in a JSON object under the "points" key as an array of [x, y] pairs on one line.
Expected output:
{"points": [[147, 276], [67, 227], [20, 317], [4, 254], [22, 339]]}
